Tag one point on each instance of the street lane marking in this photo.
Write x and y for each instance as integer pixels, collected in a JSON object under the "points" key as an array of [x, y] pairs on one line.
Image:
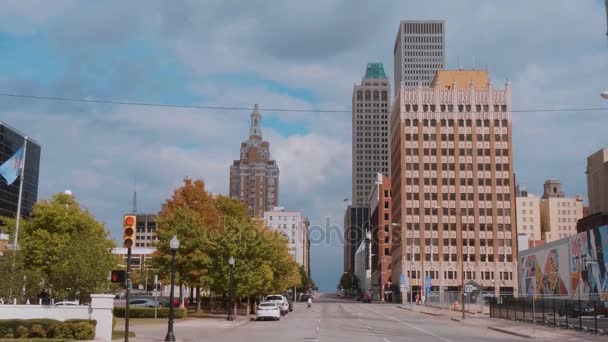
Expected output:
{"points": [[410, 325], [386, 339]]}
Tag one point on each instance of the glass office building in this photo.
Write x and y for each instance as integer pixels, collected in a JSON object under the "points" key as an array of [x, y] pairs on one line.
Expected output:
{"points": [[10, 141]]}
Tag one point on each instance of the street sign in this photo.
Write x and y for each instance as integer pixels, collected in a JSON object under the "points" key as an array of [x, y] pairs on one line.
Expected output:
{"points": [[427, 284], [402, 279]]}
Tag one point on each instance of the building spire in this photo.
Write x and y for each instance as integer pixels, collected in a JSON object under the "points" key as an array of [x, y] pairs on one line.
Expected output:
{"points": [[255, 130]]}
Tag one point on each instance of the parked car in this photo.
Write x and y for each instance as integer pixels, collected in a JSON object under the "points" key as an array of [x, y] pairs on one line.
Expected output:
{"points": [[281, 301], [66, 303], [601, 308], [144, 302], [572, 309], [268, 310]]}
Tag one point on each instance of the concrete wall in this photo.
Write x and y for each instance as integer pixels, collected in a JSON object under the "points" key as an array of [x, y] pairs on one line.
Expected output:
{"points": [[99, 310]]}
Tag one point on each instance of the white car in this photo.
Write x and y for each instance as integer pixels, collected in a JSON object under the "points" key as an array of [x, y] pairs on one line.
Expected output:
{"points": [[281, 301], [268, 310], [66, 302]]}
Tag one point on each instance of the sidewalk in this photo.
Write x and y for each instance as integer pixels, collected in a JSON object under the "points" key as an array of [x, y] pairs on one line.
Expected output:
{"points": [[187, 329], [515, 328]]}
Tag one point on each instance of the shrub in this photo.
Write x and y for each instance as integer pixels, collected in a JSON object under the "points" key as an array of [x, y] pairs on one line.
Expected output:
{"points": [[8, 333], [63, 331], [22, 331], [9, 326], [88, 321], [149, 312], [36, 330], [83, 331], [113, 323]]}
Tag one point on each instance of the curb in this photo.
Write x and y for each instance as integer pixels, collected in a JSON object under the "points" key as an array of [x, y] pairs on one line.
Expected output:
{"points": [[404, 308], [505, 331], [430, 313]]}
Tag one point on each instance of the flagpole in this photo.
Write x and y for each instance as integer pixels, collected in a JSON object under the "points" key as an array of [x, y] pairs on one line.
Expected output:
{"points": [[15, 246]]}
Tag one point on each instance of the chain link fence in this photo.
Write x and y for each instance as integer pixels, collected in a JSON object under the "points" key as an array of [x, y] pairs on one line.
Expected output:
{"points": [[474, 302], [582, 315]]}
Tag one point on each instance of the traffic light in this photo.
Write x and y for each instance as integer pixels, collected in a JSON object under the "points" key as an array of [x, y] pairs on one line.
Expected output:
{"points": [[128, 231], [118, 276]]}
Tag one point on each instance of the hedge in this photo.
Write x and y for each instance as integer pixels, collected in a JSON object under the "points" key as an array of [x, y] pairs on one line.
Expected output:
{"points": [[79, 329], [149, 312]]}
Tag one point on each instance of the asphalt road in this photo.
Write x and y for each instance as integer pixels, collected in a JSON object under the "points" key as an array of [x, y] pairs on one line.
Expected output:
{"points": [[334, 320]]}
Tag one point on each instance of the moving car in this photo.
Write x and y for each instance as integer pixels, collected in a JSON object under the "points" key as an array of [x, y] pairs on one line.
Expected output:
{"points": [[281, 301], [268, 310], [144, 302]]}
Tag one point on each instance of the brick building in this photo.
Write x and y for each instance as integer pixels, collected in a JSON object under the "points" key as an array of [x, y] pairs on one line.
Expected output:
{"points": [[380, 225]]}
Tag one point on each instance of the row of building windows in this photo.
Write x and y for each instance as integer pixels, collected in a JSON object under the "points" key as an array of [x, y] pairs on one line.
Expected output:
{"points": [[438, 38], [376, 95], [452, 226]]}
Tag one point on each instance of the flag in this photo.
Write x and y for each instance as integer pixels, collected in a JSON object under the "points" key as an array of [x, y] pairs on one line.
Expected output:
{"points": [[11, 169]]}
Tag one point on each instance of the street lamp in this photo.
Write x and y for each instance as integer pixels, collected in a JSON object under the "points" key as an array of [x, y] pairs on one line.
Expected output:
{"points": [[174, 245], [230, 314], [604, 95]]}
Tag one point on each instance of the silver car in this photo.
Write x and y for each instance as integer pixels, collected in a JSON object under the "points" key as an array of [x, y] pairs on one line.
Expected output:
{"points": [[144, 302]]}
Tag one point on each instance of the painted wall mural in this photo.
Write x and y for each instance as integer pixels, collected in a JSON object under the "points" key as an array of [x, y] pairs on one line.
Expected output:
{"points": [[571, 267], [588, 263], [545, 272]]}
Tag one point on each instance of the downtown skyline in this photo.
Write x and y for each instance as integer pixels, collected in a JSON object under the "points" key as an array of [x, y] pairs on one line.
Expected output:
{"points": [[100, 151]]}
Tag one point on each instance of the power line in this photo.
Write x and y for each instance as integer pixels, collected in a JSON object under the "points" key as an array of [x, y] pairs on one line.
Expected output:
{"points": [[294, 110]]}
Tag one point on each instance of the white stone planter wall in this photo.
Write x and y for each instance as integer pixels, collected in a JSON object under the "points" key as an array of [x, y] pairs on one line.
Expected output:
{"points": [[99, 310]]}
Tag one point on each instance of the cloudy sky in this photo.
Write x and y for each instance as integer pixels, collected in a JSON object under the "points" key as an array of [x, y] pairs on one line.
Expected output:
{"points": [[280, 54]]}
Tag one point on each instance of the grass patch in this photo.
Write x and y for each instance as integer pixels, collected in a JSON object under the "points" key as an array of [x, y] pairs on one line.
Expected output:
{"points": [[119, 334]]}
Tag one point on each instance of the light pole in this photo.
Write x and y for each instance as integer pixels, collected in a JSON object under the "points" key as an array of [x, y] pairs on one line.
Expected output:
{"points": [[604, 95], [230, 314], [174, 244]]}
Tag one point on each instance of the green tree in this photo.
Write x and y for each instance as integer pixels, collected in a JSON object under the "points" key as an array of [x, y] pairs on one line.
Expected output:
{"points": [[349, 281], [306, 282], [64, 250], [240, 238], [191, 216]]}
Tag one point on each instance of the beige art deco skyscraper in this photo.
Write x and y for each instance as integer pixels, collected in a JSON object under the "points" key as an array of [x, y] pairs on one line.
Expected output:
{"points": [[254, 178], [452, 183], [369, 131]]}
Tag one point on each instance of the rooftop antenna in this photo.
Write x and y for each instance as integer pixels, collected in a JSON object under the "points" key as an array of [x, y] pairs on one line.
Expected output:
{"points": [[473, 62], [135, 195], [459, 63]]}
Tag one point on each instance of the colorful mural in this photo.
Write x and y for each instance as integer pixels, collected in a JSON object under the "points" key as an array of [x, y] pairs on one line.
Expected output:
{"points": [[574, 266], [588, 263], [545, 270]]}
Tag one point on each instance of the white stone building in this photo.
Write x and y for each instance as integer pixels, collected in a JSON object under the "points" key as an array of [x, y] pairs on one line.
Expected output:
{"points": [[528, 217], [363, 262], [418, 52], [295, 227], [559, 214]]}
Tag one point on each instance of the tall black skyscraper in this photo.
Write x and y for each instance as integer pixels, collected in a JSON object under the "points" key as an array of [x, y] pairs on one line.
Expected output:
{"points": [[10, 141]]}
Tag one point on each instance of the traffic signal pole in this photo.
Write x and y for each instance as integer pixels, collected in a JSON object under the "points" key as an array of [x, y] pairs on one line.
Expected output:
{"points": [[128, 240], [128, 280]]}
